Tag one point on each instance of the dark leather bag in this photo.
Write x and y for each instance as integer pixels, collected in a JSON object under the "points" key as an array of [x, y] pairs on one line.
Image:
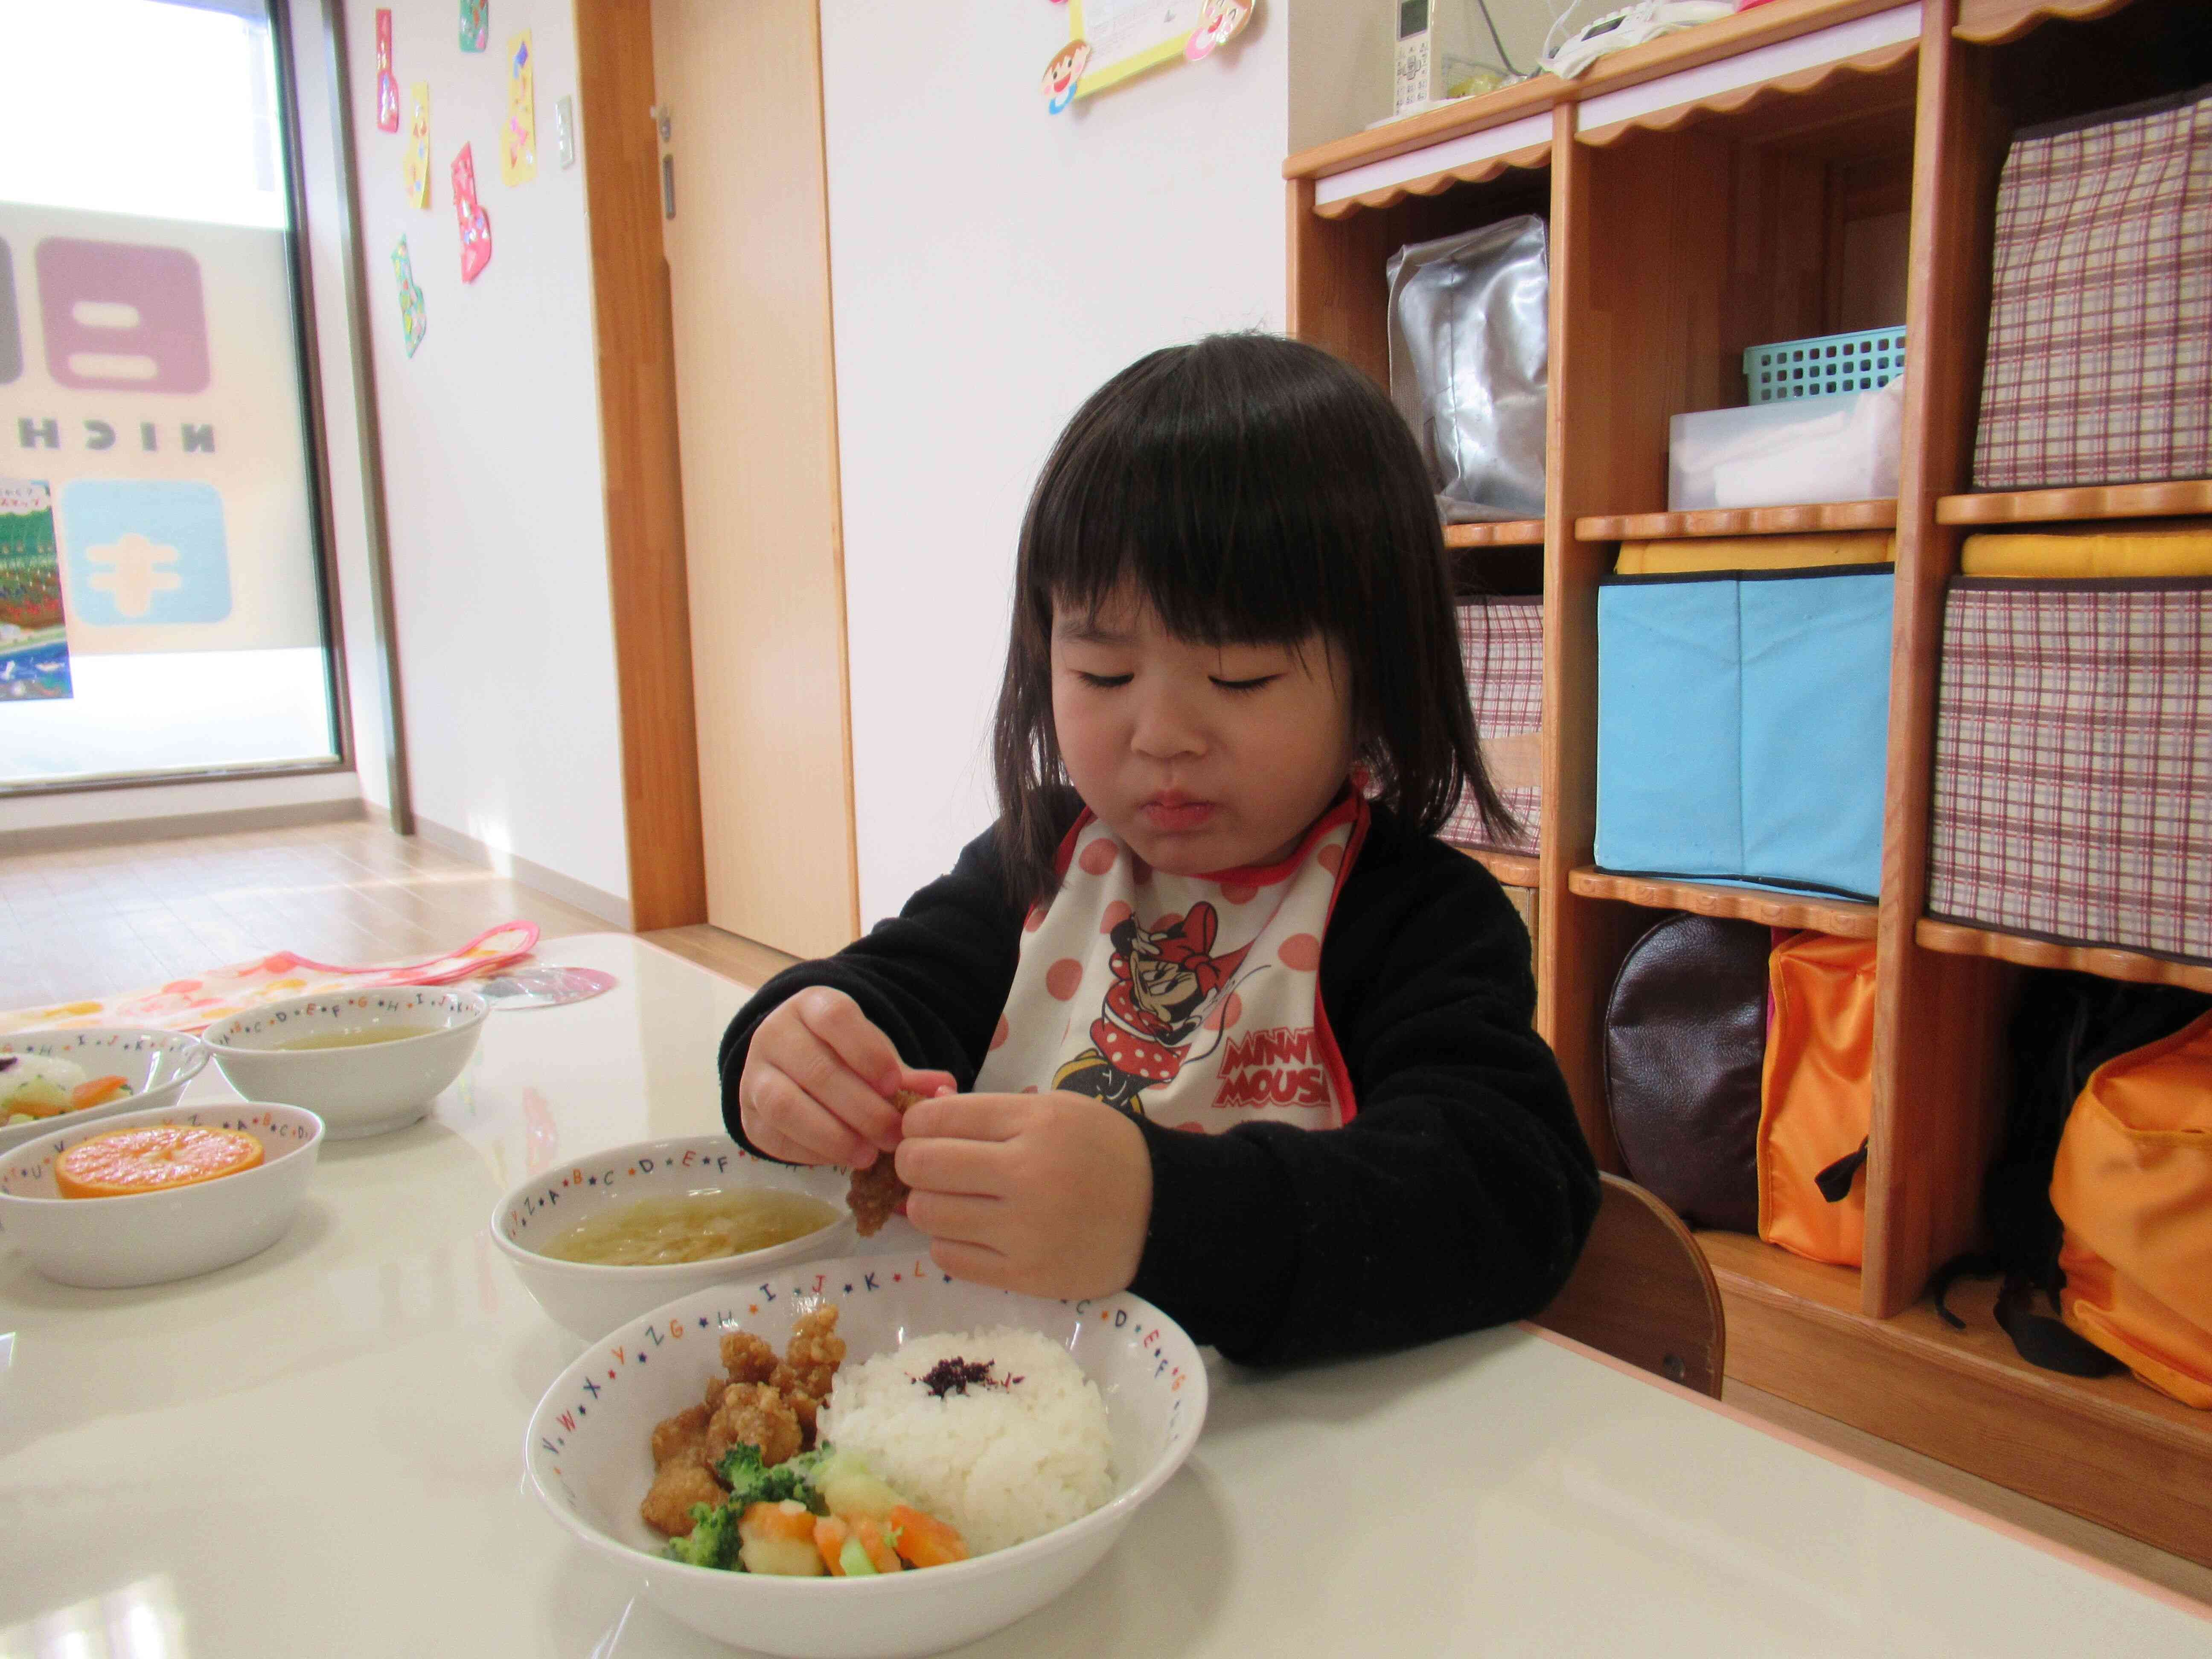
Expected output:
{"points": [[1685, 1044]]}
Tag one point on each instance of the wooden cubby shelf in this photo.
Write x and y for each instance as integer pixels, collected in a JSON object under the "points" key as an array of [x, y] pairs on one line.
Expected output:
{"points": [[1805, 169], [1514, 869], [1960, 938], [1996, 22], [2142, 501], [1825, 518], [1513, 532], [1844, 917]]}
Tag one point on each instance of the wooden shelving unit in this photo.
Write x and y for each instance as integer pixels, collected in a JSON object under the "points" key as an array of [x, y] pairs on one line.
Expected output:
{"points": [[1961, 939], [1512, 532], [2011, 507], [1702, 192], [1844, 917], [1514, 869], [1827, 519]]}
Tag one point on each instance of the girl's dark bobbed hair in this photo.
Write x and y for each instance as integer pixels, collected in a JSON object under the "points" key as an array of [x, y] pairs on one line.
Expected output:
{"points": [[1254, 491]]}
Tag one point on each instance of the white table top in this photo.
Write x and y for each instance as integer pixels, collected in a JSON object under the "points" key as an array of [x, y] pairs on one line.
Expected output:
{"points": [[251, 1464]]}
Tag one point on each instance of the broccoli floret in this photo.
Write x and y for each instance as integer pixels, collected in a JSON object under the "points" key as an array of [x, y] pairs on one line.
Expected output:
{"points": [[712, 1541], [750, 1482]]}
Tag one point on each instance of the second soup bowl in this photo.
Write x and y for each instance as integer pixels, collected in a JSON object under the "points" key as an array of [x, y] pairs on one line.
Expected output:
{"points": [[366, 1062]]}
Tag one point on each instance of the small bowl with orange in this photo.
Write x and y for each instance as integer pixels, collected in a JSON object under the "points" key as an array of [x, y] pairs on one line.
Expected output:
{"points": [[150, 1196], [53, 1080]]}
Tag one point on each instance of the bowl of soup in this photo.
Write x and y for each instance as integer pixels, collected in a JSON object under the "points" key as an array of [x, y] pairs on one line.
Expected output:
{"points": [[602, 1240], [366, 1062]]}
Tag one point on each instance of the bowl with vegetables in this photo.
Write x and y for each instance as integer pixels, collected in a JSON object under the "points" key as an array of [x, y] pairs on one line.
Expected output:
{"points": [[863, 1458], [51, 1077], [622, 1230]]}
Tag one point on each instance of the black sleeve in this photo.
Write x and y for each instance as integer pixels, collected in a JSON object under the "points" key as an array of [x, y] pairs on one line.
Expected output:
{"points": [[934, 979], [1460, 1195]]}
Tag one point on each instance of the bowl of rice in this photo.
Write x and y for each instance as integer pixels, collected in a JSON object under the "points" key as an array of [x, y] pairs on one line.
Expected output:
{"points": [[1082, 1412]]}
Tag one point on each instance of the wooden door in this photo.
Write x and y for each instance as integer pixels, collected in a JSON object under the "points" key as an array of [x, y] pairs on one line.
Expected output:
{"points": [[739, 86]]}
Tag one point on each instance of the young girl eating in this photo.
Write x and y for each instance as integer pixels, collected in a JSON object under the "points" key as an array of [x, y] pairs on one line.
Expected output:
{"points": [[1209, 1014]]}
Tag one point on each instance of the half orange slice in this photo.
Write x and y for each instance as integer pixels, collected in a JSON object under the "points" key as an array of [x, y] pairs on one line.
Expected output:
{"points": [[155, 1158]]}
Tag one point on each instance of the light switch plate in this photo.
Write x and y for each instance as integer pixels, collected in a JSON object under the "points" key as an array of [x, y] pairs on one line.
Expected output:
{"points": [[564, 129]]}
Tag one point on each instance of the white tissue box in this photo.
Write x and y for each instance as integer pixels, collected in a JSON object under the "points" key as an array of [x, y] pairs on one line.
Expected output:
{"points": [[1838, 448]]}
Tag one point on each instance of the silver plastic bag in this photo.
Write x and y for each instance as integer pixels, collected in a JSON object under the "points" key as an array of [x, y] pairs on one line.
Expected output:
{"points": [[1468, 347]]}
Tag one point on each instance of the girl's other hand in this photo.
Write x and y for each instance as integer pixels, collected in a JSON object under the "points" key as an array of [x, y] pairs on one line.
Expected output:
{"points": [[1049, 1194], [818, 1079]]}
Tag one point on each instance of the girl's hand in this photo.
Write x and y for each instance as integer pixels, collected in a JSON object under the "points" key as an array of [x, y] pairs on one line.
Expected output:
{"points": [[1047, 1193], [818, 1080]]}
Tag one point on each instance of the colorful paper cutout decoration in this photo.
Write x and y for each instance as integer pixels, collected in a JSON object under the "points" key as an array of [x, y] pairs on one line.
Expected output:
{"points": [[33, 635], [414, 168], [1062, 73], [414, 319], [517, 139], [476, 24], [476, 223], [1219, 20], [387, 86]]}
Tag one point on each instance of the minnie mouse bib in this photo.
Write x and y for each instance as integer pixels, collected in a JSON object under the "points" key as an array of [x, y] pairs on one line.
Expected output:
{"points": [[1192, 1001]]}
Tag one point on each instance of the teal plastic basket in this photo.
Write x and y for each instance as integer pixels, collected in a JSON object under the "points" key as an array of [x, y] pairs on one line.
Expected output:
{"points": [[1825, 365]]}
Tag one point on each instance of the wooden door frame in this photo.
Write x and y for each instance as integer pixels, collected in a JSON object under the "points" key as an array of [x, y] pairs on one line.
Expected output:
{"points": [[647, 579]]}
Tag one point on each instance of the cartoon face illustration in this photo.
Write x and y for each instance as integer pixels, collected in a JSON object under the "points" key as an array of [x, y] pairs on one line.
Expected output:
{"points": [[1218, 20], [1061, 75], [1166, 980]]}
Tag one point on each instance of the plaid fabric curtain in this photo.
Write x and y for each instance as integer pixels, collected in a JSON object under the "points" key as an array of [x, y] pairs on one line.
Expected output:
{"points": [[2073, 763], [1502, 643], [2099, 367]]}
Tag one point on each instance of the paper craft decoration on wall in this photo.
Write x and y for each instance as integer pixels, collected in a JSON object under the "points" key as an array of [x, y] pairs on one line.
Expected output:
{"points": [[33, 640], [476, 223], [1061, 75], [476, 24], [1219, 20], [414, 169], [387, 86], [517, 139], [1111, 40], [414, 321]]}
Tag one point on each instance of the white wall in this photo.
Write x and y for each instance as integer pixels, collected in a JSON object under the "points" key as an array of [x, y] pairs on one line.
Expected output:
{"points": [[1342, 52], [993, 264], [492, 476]]}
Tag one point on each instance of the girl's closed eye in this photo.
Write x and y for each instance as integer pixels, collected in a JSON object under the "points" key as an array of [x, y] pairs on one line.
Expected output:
{"points": [[1252, 684], [1103, 682]]}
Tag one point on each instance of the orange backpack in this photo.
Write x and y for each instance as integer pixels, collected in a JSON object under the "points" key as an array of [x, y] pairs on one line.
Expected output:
{"points": [[1817, 1097], [2133, 1184]]}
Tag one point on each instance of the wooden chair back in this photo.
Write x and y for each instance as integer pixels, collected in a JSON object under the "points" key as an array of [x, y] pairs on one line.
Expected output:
{"points": [[1644, 1293]]}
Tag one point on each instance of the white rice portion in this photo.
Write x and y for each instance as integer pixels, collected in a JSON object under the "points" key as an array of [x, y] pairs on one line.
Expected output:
{"points": [[1002, 1465]]}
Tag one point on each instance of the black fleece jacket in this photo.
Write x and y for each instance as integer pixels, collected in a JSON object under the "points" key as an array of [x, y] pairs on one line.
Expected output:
{"points": [[1459, 1195]]}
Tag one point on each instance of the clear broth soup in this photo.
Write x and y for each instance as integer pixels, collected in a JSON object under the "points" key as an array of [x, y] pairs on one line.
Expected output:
{"points": [[354, 1039], [654, 1233]]}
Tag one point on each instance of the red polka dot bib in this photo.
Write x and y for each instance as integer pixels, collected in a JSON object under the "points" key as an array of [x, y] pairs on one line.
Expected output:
{"points": [[1192, 1001]]}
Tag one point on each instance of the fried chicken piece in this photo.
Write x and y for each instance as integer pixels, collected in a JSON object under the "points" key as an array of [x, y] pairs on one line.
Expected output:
{"points": [[812, 1355], [806, 1409], [685, 1431], [759, 1416], [747, 1358], [683, 1481], [876, 1192]]}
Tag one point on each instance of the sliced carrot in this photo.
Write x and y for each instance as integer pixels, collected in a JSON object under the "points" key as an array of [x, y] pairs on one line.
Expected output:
{"points": [[926, 1541], [829, 1535], [875, 1538], [98, 1091], [788, 1519]]}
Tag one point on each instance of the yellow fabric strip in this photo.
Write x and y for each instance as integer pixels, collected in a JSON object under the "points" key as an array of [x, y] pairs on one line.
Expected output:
{"points": [[1755, 553], [2181, 550]]}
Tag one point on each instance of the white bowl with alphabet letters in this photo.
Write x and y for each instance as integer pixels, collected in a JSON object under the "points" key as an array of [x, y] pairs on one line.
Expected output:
{"points": [[590, 1299]]}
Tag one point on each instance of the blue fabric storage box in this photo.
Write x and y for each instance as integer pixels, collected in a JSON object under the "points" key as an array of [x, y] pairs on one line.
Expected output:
{"points": [[1743, 726]]}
